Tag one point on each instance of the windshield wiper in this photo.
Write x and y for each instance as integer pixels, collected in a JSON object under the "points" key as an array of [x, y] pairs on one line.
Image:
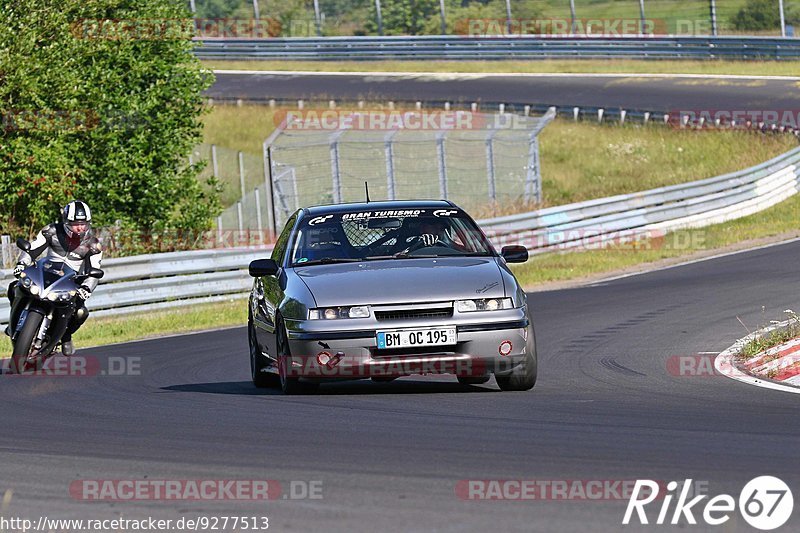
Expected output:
{"points": [[327, 261]]}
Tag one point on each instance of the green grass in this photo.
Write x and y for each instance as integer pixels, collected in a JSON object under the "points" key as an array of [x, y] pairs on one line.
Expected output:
{"points": [[619, 66], [781, 219], [107, 330]]}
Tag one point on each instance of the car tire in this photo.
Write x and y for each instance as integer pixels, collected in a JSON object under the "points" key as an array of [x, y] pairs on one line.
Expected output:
{"points": [[289, 385], [473, 380], [261, 379], [523, 376]]}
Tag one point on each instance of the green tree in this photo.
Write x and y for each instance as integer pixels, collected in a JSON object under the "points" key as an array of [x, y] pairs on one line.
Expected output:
{"points": [[101, 100], [403, 17]]}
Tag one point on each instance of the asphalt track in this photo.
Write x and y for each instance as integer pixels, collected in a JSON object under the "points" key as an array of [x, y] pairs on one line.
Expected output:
{"points": [[646, 93], [389, 456]]}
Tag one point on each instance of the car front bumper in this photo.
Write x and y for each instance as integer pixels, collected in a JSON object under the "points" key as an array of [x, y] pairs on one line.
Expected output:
{"points": [[353, 353]]}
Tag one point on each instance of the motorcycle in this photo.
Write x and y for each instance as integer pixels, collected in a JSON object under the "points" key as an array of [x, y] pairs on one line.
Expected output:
{"points": [[46, 292]]}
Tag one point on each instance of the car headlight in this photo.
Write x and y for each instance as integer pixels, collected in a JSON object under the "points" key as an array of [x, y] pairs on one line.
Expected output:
{"points": [[483, 304], [332, 313]]}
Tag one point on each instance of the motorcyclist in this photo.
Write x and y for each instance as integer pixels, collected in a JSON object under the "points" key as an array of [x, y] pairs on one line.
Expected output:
{"points": [[73, 242]]}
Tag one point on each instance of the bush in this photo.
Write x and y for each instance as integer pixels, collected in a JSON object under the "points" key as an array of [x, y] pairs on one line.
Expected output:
{"points": [[100, 113], [757, 15]]}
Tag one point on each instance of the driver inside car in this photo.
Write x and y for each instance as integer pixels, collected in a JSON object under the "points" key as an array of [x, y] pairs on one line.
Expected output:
{"points": [[427, 232]]}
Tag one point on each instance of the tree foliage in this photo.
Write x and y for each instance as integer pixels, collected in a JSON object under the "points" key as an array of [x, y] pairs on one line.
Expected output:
{"points": [[102, 111], [760, 15]]}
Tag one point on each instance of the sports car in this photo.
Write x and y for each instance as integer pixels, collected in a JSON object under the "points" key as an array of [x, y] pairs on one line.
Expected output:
{"points": [[380, 290]]}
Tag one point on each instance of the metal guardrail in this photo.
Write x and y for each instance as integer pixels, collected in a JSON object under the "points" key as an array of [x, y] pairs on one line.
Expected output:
{"points": [[157, 281], [520, 47]]}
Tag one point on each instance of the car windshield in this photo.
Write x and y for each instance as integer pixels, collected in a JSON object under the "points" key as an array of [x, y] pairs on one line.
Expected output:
{"points": [[387, 234]]}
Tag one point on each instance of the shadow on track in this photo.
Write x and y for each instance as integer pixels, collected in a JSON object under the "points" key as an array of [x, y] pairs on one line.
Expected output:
{"points": [[245, 388]]}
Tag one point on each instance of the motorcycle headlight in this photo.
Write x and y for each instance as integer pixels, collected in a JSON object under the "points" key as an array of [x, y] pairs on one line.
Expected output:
{"points": [[53, 296], [332, 313], [26, 282], [34, 290], [483, 304]]}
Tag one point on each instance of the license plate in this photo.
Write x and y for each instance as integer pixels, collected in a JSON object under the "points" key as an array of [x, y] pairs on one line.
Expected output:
{"points": [[411, 338]]}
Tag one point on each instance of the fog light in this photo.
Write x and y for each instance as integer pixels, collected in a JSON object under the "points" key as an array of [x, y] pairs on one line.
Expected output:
{"points": [[505, 347], [331, 314], [323, 358]]}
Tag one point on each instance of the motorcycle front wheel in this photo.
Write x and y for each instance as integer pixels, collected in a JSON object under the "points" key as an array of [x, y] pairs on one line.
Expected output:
{"points": [[23, 346]]}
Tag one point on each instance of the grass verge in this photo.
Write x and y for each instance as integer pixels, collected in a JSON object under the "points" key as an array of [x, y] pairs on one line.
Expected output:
{"points": [[546, 66], [107, 330]]}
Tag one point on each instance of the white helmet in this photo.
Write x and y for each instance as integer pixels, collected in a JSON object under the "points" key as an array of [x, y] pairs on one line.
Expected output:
{"points": [[77, 218]]}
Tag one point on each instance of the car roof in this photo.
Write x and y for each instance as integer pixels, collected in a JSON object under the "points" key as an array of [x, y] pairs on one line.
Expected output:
{"points": [[366, 206]]}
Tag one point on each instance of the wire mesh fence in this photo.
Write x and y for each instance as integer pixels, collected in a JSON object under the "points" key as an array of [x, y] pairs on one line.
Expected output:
{"points": [[484, 168]]}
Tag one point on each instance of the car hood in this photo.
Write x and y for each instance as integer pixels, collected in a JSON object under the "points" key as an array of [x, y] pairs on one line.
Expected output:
{"points": [[403, 281]]}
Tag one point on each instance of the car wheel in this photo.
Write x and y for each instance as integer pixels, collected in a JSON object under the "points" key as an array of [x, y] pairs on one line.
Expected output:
{"points": [[289, 384], [523, 377], [260, 378], [473, 380]]}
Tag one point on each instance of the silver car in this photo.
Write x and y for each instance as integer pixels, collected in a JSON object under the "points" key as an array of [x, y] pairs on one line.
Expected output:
{"points": [[387, 289]]}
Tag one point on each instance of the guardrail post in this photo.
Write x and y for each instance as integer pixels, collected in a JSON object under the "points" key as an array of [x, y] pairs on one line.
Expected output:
{"points": [[575, 113], [219, 232], [388, 149], [239, 216], [255, 9], [444, 20], [442, 167], [600, 115], [490, 165], [622, 114], [508, 17], [646, 117]]}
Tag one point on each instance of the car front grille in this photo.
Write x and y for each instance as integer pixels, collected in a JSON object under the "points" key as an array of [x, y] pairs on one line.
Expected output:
{"points": [[407, 314]]}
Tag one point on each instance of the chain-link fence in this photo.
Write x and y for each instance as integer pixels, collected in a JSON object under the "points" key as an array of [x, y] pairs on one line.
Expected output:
{"points": [[485, 163], [302, 18]]}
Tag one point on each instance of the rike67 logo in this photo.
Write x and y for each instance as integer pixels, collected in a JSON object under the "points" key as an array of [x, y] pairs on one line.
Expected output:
{"points": [[765, 503]]}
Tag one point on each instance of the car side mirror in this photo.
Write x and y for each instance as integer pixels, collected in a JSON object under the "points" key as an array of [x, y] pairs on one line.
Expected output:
{"points": [[23, 245], [514, 254], [95, 273], [263, 267]]}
